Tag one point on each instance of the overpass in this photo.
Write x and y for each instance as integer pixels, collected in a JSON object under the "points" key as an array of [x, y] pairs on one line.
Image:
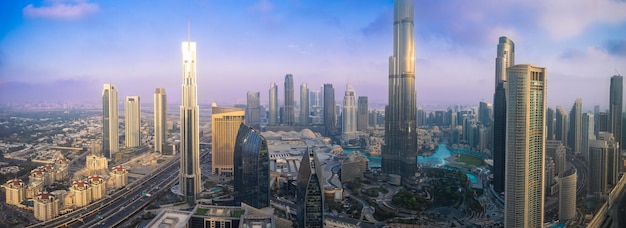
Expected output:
{"points": [[612, 213]]}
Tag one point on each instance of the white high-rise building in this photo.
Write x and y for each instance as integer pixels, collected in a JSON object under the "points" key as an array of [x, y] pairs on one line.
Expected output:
{"points": [[133, 121], [304, 105], [119, 177], [525, 146], [567, 195], [348, 123], [110, 121], [160, 119], [82, 193], [46, 206], [15, 191], [190, 185]]}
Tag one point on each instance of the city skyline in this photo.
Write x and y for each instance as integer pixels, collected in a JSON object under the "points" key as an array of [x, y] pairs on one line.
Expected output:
{"points": [[349, 45]]}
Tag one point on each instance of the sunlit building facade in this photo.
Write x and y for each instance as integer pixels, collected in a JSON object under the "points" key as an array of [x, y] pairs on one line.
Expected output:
{"points": [[304, 105], [225, 125], [253, 110], [567, 195], [98, 187], [110, 121], [273, 115], [349, 121], [45, 206], [15, 191], [82, 193], [160, 119], [119, 177]]}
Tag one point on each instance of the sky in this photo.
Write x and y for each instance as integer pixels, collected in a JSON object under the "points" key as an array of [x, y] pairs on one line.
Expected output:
{"points": [[65, 50]]}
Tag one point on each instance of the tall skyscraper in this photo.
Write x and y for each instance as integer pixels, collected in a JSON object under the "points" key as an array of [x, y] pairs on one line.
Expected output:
{"points": [[567, 194], [304, 105], [399, 151], [616, 94], [603, 123], [613, 158], [289, 116], [253, 110], [252, 168], [225, 125], [310, 192], [273, 116], [575, 123], [525, 141], [348, 123], [588, 129], [560, 127], [505, 57], [110, 121], [485, 113], [330, 118], [362, 113], [160, 119], [550, 124], [190, 185], [132, 115], [597, 166]]}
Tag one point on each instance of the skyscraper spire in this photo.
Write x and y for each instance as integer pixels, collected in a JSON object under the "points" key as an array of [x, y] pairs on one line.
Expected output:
{"points": [[188, 35]]}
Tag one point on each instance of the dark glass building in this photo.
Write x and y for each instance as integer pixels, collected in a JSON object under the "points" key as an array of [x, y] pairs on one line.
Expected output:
{"points": [[309, 193], [253, 110], [615, 107], [289, 114], [499, 137], [362, 114], [252, 168], [330, 118]]}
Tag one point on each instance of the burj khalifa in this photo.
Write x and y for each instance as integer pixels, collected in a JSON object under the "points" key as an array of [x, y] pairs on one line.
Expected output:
{"points": [[190, 185], [400, 147]]}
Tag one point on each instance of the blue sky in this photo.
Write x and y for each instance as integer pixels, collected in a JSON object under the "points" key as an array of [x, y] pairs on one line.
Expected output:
{"points": [[64, 50]]}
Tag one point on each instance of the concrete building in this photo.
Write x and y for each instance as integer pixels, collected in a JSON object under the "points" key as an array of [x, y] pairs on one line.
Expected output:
{"points": [[119, 177], [98, 187], [525, 151], [353, 167], [62, 169], [310, 192], [45, 206], [550, 124], [225, 125], [210, 216], [15, 190], [556, 150], [110, 121], [189, 174], [613, 159], [304, 105], [349, 121], [132, 115], [273, 109], [160, 119], [96, 164], [597, 166], [588, 130], [362, 114], [400, 147], [560, 129], [82, 193], [567, 195], [289, 116], [616, 97]]}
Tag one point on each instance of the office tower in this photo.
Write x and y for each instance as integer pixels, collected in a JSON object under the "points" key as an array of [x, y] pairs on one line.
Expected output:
{"points": [[189, 179], [353, 167], [588, 129], [525, 141], [110, 124], [556, 150], [575, 131], [310, 192], [119, 176], [362, 122], [15, 191], [550, 124], [567, 194], [560, 127], [225, 124], [133, 121], [505, 57], [615, 107], [45, 206], [597, 167], [98, 187], [348, 123], [252, 168], [273, 116], [603, 123], [399, 151], [289, 116], [613, 157], [485, 113], [549, 175], [160, 119], [304, 105], [330, 121], [253, 110], [81, 190]]}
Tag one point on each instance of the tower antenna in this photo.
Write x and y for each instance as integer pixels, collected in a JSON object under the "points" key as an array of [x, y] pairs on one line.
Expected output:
{"points": [[617, 72], [188, 35]]}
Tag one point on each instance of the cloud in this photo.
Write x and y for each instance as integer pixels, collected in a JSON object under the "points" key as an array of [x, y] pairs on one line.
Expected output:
{"points": [[615, 47], [66, 10], [379, 26], [564, 19]]}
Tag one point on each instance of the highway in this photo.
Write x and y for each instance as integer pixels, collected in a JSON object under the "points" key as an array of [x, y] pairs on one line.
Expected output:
{"points": [[161, 178], [581, 172]]}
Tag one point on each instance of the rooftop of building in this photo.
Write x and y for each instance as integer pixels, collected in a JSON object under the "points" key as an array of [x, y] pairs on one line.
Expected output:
{"points": [[170, 219]]}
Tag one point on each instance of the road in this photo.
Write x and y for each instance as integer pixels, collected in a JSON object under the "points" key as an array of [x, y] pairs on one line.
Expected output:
{"points": [[112, 202], [581, 172]]}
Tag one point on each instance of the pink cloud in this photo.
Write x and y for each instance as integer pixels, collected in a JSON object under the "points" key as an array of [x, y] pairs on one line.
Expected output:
{"points": [[61, 10]]}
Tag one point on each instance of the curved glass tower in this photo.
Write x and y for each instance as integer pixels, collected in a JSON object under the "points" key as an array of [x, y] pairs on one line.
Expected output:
{"points": [[252, 168], [310, 194], [399, 151]]}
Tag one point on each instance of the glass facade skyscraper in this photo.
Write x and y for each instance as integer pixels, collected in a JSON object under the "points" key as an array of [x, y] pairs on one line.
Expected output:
{"points": [[399, 150], [310, 192], [252, 168], [253, 110], [330, 118], [190, 183], [505, 57], [273, 115], [616, 93], [110, 121], [132, 116], [304, 105], [289, 115], [160, 119]]}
